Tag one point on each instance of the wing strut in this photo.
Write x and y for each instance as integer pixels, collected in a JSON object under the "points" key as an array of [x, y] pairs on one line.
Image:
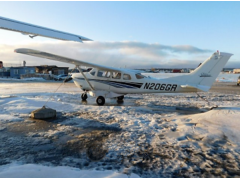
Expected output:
{"points": [[85, 78]]}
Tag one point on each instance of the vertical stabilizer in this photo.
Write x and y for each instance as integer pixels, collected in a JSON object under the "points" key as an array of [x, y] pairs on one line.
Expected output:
{"points": [[205, 75]]}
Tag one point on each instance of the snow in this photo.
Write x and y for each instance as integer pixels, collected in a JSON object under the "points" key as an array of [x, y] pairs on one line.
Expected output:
{"points": [[24, 79], [15, 170], [153, 135], [224, 120]]}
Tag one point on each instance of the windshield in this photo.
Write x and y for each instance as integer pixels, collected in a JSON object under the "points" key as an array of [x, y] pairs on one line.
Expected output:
{"points": [[92, 72]]}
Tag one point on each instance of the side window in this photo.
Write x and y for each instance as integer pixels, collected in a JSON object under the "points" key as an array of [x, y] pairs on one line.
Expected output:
{"points": [[126, 77], [104, 74], [116, 75], [108, 74]]}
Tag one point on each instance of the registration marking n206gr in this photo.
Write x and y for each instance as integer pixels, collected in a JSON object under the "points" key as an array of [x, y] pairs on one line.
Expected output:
{"points": [[161, 87]]}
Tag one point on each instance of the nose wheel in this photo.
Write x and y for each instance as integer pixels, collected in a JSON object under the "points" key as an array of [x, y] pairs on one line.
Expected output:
{"points": [[84, 96], [100, 100]]}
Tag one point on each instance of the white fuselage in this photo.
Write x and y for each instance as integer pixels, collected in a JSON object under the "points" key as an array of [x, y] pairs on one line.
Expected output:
{"points": [[135, 83]]}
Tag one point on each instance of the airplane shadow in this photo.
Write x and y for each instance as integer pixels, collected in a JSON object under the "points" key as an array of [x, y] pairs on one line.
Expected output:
{"points": [[110, 102]]}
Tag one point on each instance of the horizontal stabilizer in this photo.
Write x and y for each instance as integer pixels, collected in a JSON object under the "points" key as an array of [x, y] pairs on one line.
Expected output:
{"points": [[34, 30], [201, 87]]}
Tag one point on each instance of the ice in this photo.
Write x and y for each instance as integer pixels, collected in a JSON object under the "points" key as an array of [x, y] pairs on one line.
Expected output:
{"points": [[22, 80], [154, 135], [16, 170]]}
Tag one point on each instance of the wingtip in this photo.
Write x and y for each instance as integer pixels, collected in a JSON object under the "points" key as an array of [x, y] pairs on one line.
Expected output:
{"points": [[18, 50], [22, 50], [86, 39], [82, 38]]}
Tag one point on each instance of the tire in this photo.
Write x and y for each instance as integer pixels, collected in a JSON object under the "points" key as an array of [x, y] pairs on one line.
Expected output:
{"points": [[120, 98], [100, 100], [84, 97], [237, 84]]}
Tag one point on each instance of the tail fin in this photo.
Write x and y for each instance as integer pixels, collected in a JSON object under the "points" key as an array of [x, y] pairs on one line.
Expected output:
{"points": [[204, 76]]}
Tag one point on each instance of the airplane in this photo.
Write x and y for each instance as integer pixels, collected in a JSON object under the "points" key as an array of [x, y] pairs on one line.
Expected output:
{"points": [[107, 82]]}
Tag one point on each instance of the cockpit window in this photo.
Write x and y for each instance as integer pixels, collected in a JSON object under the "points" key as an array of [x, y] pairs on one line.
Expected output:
{"points": [[93, 73], [140, 76]]}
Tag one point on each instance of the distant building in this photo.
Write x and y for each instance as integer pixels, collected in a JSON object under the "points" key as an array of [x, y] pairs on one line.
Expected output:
{"points": [[45, 69], [60, 70], [16, 72], [5, 72], [236, 71], [185, 70], [227, 70]]}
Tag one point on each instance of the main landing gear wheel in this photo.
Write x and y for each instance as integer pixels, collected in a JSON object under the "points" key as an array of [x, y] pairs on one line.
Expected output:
{"points": [[100, 100], [84, 96], [120, 98]]}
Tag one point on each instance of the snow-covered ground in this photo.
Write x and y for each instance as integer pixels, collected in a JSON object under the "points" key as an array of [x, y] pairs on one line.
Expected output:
{"points": [[22, 80], [17, 170], [154, 135]]}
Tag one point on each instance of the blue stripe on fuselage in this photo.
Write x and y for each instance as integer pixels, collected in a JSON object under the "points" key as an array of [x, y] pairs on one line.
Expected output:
{"points": [[130, 85]]}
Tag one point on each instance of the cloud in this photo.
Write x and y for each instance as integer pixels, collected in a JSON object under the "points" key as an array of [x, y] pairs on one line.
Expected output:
{"points": [[129, 54]]}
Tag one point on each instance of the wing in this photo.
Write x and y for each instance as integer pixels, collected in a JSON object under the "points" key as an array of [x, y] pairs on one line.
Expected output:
{"points": [[34, 30], [46, 55]]}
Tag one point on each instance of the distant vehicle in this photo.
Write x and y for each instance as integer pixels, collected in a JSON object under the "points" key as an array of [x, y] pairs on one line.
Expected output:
{"points": [[60, 77], [176, 71], [238, 81]]}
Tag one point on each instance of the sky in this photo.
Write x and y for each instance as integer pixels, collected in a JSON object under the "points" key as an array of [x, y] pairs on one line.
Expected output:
{"points": [[138, 34]]}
